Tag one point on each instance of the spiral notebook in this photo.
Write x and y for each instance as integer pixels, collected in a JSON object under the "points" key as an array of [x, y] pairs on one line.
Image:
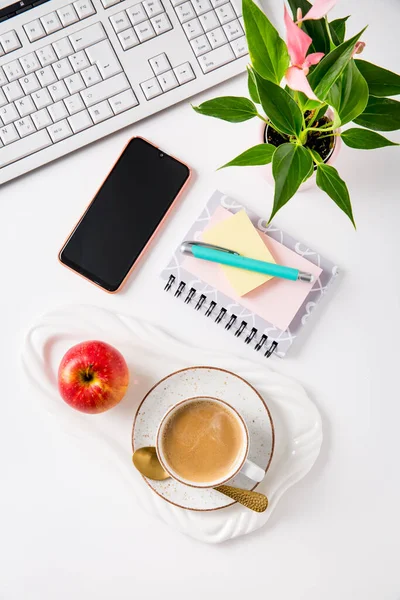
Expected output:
{"points": [[269, 318]]}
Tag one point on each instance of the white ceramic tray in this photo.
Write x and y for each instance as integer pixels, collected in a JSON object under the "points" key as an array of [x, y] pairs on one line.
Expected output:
{"points": [[152, 355]]}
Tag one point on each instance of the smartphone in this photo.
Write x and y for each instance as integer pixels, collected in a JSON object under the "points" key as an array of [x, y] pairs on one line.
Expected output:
{"points": [[124, 215]]}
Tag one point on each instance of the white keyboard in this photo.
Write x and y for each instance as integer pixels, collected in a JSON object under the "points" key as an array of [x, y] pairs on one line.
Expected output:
{"points": [[73, 73]]}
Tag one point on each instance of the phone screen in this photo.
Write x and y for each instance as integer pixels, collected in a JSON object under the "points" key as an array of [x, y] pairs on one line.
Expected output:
{"points": [[124, 214]]}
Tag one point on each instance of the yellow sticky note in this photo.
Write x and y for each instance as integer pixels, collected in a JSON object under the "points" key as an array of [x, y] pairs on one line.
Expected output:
{"points": [[239, 234]]}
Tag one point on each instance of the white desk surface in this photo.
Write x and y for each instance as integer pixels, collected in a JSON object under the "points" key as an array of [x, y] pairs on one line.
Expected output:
{"points": [[68, 527]]}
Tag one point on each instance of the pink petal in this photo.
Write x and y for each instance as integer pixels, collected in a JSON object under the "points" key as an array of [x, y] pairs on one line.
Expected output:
{"points": [[298, 42], [297, 80], [313, 59], [358, 48], [319, 9]]}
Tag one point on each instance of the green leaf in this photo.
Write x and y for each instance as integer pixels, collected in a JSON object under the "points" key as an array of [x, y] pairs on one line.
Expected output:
{"points": [[329, 181], [338, 30], [257, 155], [381, 82], [349, 94], [279, 106], [268, 52], [331, 67], [381, 114], [364, 139], [290, 166], [229, 108], [315, 155], [315, 29], [252, 87]]}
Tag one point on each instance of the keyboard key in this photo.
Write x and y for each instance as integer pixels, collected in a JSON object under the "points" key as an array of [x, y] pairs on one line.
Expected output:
{"points": [[217, 38], [105, 89], [10, 41], [30, 83], [80, 121], [8, 134], [216, 58], [144, 31], [3, 78], [108, 3], [176, 2], [225, 13], [123, 101], [25, 106], [29, 63], [63, 68], [153, 7], [13, 70], [58, 111], [62, 48], [103, 56], [192, 29], [58, 91], [67, 15], [217, 3], [74, 104], [240, 47], [33, 143], [41, 99], [201, 6], [161, 23], [8, 114], [34, 30], [91, 75], [185, 12], [120, 22], [46, 76], [3, 99], [41, 118], [209, 21], [136, 14], [84, 8], [200, 45], [128, 39], [160, 64], [87, 37], [59, 131], [79, 61], [51, 23], [233, 30], [184, 73], [151, 88], [13, 91], [237, 6], [25, 126], [168, 81], [74, 83], [46, 55], [101, 112]]}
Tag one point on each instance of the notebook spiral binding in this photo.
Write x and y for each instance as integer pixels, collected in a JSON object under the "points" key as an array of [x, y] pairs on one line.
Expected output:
{"points": [[211, 309]]}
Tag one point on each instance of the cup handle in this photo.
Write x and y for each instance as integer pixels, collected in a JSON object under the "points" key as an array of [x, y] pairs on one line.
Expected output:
{"points": [[253, 471]]}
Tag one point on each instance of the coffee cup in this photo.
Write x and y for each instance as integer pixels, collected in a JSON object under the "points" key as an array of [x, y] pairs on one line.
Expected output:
{"points": [[203, 442]]}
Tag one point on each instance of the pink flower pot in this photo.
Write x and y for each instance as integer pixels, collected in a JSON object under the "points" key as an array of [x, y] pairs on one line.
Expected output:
{"points": [[310, 183]]}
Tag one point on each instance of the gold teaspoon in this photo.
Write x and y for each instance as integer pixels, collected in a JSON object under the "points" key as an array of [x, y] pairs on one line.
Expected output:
{"points": [[147, 463]]}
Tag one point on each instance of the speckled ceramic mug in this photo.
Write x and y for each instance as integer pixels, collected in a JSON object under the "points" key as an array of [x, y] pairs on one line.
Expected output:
{"points": [[242, 464]]}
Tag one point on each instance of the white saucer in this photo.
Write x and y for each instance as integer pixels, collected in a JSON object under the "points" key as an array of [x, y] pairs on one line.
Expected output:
{"points": [[205, 381]]}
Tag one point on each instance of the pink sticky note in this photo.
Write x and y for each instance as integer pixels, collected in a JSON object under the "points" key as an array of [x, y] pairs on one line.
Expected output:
{"points": [[277, 300]]}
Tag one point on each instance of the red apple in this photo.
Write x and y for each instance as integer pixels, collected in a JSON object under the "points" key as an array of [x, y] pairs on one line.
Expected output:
{"points": [[93, 377]]}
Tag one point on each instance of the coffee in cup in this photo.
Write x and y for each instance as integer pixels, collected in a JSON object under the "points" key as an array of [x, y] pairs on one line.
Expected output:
{"points": [[204, 442]]}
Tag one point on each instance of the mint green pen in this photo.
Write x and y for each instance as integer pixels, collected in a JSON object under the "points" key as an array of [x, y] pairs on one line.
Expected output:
{"points": [[234, 259]]}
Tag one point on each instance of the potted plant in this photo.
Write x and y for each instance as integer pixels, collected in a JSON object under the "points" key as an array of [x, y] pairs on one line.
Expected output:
{"points": [[304, 90]]}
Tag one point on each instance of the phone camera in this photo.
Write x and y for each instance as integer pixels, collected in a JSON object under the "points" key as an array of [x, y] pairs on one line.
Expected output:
{"points": [[161, 154]]}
